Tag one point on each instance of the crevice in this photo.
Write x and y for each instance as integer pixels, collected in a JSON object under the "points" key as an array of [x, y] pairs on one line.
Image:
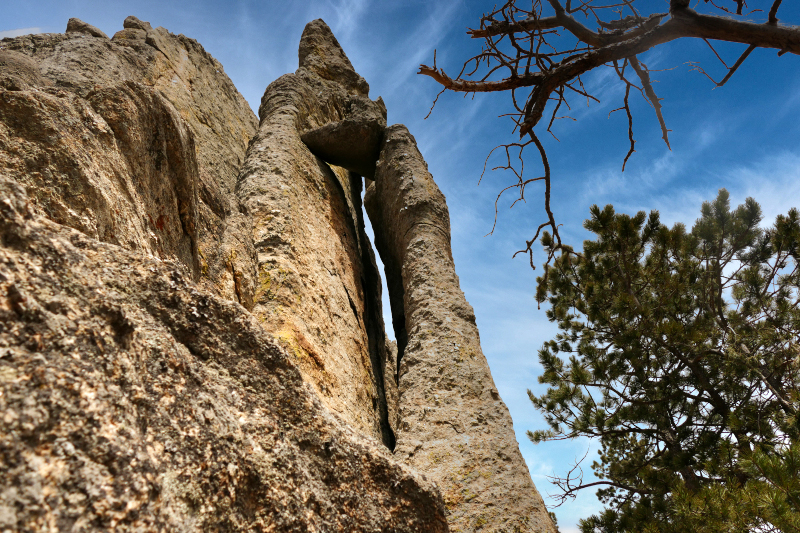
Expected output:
{"points": [[237, 284], [373, 316], [393, 276], [353, 305]]}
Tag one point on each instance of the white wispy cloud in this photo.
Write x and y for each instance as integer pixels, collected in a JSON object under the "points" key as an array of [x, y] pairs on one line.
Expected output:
{"points": [[773, 180], [19, 31], [348, 15], [421, 43]]}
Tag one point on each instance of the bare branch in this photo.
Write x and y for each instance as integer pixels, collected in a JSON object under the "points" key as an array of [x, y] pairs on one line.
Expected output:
{"points": [[736, 65], [524, 52], [627, 108], [467, 86], [504, 27], [651, 96]]}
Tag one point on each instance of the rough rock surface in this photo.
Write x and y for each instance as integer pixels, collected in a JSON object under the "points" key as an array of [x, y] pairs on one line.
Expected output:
{"points": [[118, 165], [453, 424], [140, 205], [355, 142], [75, 25], [132, 22], [318, 287], [132, 401], [182, 72], [19, 72]]}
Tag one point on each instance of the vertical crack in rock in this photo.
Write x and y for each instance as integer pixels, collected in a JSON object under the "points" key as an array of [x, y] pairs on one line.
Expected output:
{"points": [[308, 231], [453, 425], [379, 350]]}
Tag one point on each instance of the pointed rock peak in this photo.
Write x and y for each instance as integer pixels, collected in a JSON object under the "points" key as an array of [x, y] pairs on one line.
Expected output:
{"points": [[322, 54]]}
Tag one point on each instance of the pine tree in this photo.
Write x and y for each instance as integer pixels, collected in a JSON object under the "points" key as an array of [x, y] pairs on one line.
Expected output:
{"points": [[678, 350]]}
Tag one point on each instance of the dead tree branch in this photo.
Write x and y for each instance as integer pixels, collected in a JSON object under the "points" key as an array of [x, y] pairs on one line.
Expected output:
{"points": [[524, 52]]}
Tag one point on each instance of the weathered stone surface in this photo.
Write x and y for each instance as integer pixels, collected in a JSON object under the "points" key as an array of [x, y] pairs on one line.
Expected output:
{"points": [[218, 117], [75, 25], [132, 22], [320, 53], [131, 400], [355, 142], [390, 380], [18, 72], [135, 395], [453, 424], [318, 289], [118, 165], [160, 154], [129, 34]]}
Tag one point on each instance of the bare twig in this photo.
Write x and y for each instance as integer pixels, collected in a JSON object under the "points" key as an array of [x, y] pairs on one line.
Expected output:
{"points": [[644, 75]]}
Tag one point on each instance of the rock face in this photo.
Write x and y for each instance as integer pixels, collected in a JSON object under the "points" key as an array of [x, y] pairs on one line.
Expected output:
{"points": [[132, 397], [88, 164], [132, 401], [177, 71], [191, 335], [319, 289], [75, 25], [453, 424]]}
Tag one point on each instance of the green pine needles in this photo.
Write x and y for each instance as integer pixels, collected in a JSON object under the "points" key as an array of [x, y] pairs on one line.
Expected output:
{"points": [[680, 352]]}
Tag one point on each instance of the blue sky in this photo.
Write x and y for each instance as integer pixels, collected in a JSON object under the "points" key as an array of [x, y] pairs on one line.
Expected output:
{"points": [[743, 136]]}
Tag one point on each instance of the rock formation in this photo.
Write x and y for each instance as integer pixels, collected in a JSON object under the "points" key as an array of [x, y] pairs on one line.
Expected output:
{"points": [[191, 334], [319, 289], [453, 424], [69, 69]]}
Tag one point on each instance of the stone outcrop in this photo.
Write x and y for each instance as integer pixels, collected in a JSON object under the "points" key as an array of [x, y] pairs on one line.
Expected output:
{"points": [[19, 72], [453, 424], [118, 165], [353, 143], [75, 25], [319, 289], [133, 401], [132, 396], [191, 329], [203, 101]]}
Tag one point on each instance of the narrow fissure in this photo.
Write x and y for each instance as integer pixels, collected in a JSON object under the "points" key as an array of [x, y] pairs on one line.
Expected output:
{"points": [[393, 281], [373, 316]]}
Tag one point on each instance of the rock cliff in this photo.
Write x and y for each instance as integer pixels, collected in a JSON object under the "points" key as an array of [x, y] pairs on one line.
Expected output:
{"points": [[191, 335], [134, 401]]}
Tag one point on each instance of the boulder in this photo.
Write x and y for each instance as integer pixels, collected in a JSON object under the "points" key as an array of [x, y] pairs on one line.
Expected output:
{"points": [[75, 25], [129, 35], [132, 22], [353, 143]]}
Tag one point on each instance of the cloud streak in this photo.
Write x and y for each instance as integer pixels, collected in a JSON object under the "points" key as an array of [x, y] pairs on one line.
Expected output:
{"points": [[348, 15], [421, 42], [19, 31]]}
